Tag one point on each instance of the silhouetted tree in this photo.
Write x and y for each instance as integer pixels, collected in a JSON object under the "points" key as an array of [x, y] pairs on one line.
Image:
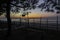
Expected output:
{"points": [[5, 7], [8, 17], [50, 6], [25, 4]]}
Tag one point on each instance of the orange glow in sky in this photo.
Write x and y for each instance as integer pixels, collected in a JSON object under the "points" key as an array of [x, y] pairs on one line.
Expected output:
{"points": [[33, 15]]}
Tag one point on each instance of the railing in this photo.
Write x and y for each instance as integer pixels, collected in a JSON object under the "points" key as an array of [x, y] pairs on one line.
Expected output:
{"points": [[36, 23]]}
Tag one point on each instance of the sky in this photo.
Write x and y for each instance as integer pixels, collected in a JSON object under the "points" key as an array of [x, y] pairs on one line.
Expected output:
{"points": [[37, 13], [38, 10]]}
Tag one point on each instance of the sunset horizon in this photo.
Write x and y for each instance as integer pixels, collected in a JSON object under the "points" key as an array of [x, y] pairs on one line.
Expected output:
{"points": [[31, 15]]}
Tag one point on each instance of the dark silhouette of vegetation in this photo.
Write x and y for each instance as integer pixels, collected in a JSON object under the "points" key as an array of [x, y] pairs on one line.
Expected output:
{"points": [[8, 17], [25, 5], [5, 6], [50, 6]]}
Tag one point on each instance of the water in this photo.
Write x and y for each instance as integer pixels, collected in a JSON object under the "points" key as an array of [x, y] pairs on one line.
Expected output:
{"points": [[52, 23], [43, 20]]}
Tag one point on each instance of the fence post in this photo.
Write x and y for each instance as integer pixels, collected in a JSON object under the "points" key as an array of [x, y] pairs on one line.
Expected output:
{"points": [[20, 21], [28, 22], [57, 24], [34, 22], [40, 23], [47, 25], [42, 34]]}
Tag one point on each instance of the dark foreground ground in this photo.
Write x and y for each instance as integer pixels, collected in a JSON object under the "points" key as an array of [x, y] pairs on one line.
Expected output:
{"points": [[30, 34]]}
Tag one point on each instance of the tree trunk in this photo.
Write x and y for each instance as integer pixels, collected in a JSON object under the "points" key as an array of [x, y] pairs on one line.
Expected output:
{"points": [[8, 18]]}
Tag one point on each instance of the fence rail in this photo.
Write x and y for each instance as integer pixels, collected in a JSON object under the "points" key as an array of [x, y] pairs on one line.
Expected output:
{"points": [[36, 23]]}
